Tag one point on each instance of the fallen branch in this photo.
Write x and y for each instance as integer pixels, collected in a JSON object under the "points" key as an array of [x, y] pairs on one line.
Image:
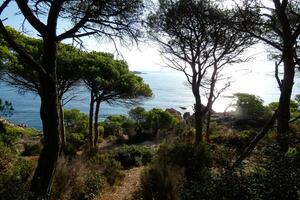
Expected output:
{"points": [[254, 143]]}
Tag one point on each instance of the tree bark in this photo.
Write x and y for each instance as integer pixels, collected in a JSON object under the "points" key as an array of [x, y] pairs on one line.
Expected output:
{"points": [[198, 119], [208, 119], [91, 115], [96, 128], [284, 103], [62, 126], [44, 173], [288, 42]]}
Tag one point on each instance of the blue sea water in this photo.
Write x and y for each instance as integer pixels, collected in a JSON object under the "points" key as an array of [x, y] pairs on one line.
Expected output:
{"points": [[170, 91]]}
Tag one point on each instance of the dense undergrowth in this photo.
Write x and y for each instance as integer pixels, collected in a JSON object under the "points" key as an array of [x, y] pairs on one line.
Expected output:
{"points": [[176, 169]]}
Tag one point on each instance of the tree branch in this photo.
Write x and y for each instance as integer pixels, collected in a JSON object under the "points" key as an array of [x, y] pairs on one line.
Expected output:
{"points": [[28, 14]]}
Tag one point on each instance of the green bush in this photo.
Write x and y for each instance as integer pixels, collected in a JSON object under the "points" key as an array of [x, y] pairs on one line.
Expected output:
{"points": [[112, 171], [14, 181], [133, 155], [113, 125], [93, 186], [149, 123], [75, 121], [250, 108], [159, 183], [110, 168], [238, 140], [278, 179], [175, 169], [193, 159], [32, 149], [13, 134]]}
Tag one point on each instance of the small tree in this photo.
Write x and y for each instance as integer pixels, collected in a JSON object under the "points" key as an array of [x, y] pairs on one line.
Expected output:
{"points": [[197, 39], [109, 81]]}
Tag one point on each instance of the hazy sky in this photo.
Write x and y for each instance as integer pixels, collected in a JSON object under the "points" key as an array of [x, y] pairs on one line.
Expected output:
{"points": [[144, 57]]}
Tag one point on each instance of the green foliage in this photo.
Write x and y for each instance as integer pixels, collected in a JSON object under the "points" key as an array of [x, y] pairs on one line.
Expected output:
{"points": [[32, 149], [149, 123], [193, 159], [112, 169], [250, 108], [76, 124], [132, 155], [138, 114], [238, 140], [15, 177], [157, 119], [279, 179], [117, 125], [11, 134], [93, 186], [176, 167], [112, 79], [294, 106], [25, 79], [75, 121]]}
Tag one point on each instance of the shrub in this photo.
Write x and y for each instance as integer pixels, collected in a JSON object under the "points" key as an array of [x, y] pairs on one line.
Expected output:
{"points": [[157, 119], [10, 135], [61, 180], [75, 121], [32, 149], [14, 181], [175, 169], [238, 140], [93, 186], [133, 155], [148, 124], [250, 108], [112, 171], [193, 159], [76, 139], [159, 183], [279, 179], [113, 125]]}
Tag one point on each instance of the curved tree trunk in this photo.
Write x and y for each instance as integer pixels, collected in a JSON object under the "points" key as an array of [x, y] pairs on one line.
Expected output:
{"points": [[44, 173], [91, 115], [96, 128]]}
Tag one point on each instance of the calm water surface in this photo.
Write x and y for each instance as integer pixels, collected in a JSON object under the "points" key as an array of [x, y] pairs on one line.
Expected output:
{"points": [[169, 88]]}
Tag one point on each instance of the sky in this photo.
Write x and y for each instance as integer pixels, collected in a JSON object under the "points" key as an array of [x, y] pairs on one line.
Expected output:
{"points": [[144, 57]]}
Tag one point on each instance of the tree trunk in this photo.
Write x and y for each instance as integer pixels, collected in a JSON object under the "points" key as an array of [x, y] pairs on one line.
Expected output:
{"points": [[91, 114], [96, 128], [44, 173], [208, 119], [198, 120], [288, 42], [284, 103], [62, 126]]}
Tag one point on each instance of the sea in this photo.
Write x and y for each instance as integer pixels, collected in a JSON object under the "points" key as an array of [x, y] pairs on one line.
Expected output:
{"points": [[170, 90]]}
